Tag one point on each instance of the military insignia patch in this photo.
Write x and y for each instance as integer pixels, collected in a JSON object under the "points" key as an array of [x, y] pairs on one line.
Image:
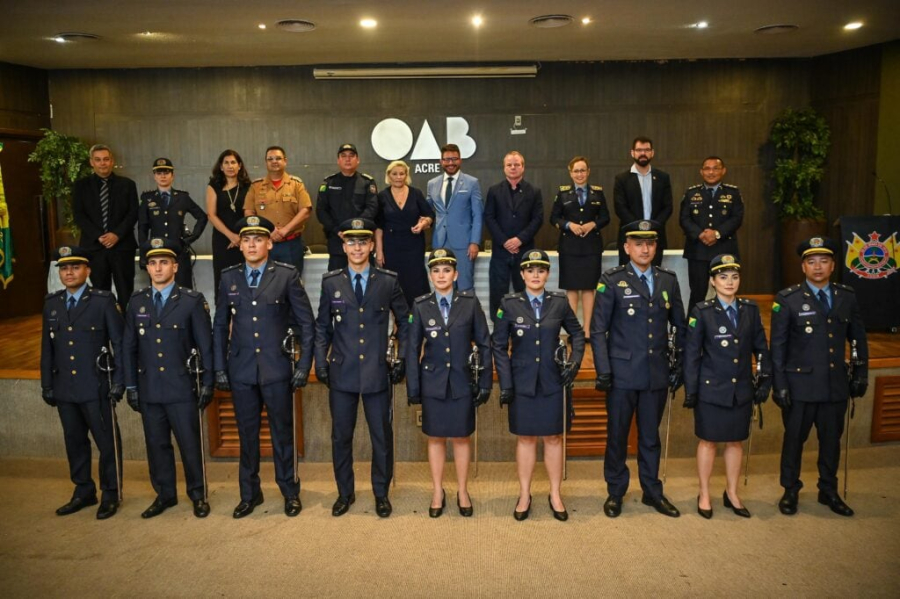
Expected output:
{"points": [[534, 256], [357, 223], [431, 322], [622, 284], [723, 330], [499, 313], [253, 221], [627, 291], [601, 288], [665, 295], [322, 188], [816, 242], [805, 307], [156, 243], [337, 294], [161, 162], [65, 251], [410, 318], [644, 226], [372, 189], [442, 253], [776, 307], [692, 322], [142, 310], [520, 320]]}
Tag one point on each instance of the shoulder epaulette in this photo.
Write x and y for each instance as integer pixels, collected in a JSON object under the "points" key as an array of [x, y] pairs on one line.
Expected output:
{"points": [[332, 175], [296, 178], [367, 176], [332, 273], [189, 292], [597, 187], [512, 295], [385, 271], [54, 294], [466, 293], [148, 192], [666, 270], [232, 267], [615, 269], [790, 290], [746, 301], [706, 304], [422, 298], [844, 287], [565, 187], [698, 186], [729, 185], [283, 264], [557, 293], [139, 291], [174, 191], [101, 292]]}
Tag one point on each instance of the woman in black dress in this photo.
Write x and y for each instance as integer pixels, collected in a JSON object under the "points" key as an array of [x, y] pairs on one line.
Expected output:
{"points": [[225, 195], [447, 323], [531, 383], [403, 216], [579, 212], [719, 381]]}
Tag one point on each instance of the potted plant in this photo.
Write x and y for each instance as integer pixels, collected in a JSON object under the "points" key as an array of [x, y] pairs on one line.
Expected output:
{"points": [[801, 139], [63, 160]]}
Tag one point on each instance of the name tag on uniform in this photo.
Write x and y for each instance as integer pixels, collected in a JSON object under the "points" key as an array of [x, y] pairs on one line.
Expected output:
{"points": [[335, 188], [630, 296], [432, 328], [810, 313], [728, 336]]}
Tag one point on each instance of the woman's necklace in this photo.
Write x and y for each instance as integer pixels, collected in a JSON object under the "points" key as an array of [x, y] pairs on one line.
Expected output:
{"points": [[233, 199]]}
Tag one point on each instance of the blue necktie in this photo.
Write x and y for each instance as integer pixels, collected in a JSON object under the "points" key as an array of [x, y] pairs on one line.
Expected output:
{"points": [[448, 191], [357, 289], [165, 196], [644, 281], [580, 192], [254, 278], [158, 303], [536, 304], [732, 316], [823, 297], [445, 309], [71, 304]]}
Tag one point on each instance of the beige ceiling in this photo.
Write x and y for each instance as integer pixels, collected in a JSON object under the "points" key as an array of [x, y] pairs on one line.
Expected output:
{"points": [[225, 33]]}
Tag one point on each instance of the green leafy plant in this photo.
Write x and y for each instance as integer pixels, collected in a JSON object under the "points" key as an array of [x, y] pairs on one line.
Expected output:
{"points": [[63, 160], [801, 139]]}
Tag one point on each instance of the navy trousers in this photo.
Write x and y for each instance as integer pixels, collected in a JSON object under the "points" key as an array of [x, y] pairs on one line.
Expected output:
{"points": [[160, 422], [379, 416], [621, 406], [503, 268], [798, 420], [79, 419]]}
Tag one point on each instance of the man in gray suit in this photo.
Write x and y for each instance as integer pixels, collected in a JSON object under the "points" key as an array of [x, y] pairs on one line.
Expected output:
{"points": [[456, 200]]}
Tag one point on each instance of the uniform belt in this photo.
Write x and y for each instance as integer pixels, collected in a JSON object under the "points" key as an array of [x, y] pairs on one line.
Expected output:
{"points": [[290, 237]]}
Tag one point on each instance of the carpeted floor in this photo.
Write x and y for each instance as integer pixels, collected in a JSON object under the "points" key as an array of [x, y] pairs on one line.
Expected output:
{"points": [[642, 553]]}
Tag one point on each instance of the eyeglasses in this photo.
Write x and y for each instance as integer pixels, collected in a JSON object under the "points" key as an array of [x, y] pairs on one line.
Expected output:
{"points": [[274, 159], [355, 241], [449, 159], [580, 171], [643, 150]]}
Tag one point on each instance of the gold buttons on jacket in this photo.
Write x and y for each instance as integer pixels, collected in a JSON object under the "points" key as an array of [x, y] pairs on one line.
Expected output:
{"points": [[362, 357], [253, 303], [162, 368]]}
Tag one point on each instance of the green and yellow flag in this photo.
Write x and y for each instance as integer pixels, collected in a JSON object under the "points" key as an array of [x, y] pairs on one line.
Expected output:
{"points": [[6, 250]]}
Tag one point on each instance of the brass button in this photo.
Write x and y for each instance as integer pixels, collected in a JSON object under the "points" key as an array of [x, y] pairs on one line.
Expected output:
{"points": [[537, 326], [362, 357], [258, 350], [830, 350], [447, 350], [736, 341], [253, 303], [361, 309], [72, 358], [162, 368], [829, 321], [830, 335], [798, 370], [254, 319], [362, 326], [649, 320], [707, 382], [448, 364], [650, 335], [74, 372], [651, 304], [160, 354], [537, 359], [651, 351], [537, 341], [733, 380], [159, 340], [71, 343], [735, 360], [446, 334], [362, 340], [256, 334], [69, 328], [158, 325]]}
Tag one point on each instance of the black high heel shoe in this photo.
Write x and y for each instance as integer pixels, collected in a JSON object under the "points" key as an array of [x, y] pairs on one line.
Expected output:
{"points": [[519, 516], [705, 513], [561, 516], [465, 512], [435, 512], [740, 511]]}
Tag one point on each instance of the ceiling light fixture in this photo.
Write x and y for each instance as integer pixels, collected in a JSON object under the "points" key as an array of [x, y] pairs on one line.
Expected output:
{"points": [[76, 36], [59, 39], [586, 21], [701, 25], [551, 21], [262, 25], [368, 23], [477, 21], [295, 25], [852, 26]]}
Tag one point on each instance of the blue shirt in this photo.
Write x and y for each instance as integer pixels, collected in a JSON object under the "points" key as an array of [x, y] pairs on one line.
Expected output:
{"points": [[713, 189], [248, 269], [77, 295], [584, 194], [815, 291], [364, 280], [165, 292], [531, 299], [646, 183], [647, 273]]}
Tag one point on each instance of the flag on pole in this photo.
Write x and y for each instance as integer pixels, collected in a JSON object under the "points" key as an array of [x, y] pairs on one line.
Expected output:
{"points": [[6, 251]]}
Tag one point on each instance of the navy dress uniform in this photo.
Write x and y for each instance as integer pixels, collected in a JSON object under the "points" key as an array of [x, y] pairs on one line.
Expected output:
{"points": [[629, 337], [250, 361], [156, 347], [528, 369], [441, 377], [74, 331], [580, 258], [721, 210], [809, 338], [718, 363], [351, 345], [161, 215]]}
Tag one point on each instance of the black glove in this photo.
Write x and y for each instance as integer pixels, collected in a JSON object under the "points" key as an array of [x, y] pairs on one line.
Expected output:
{"points": [[507, 396], [782, 399], [47, 396], [206, 395], [322, 375], [133, 400], [676, 377], [690, 400], [398, 371], [413, 400], [568, 374], [222, 383], [299, 379], [603, 382], [481, 397], [116, 392], [858, 387], [763, 388]]}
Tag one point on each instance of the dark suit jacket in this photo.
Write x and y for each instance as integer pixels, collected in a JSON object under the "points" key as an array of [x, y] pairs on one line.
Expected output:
{"points": [[512, 213], [629, 205], [123, 212]]}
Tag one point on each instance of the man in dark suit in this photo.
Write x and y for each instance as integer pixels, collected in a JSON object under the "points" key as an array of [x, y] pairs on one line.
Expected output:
{"points": [[79, 322], [513, 213], [811, 325], [642, 193], [105, 208], [351, 344], [164, 322], [259, 300]]}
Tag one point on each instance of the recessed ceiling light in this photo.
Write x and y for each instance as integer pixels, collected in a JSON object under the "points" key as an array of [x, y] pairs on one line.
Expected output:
{"points": [[776, 29], [551, 21], [147, 33], [853, 25], [701, 25], [295, 25], [59, 39], [368, 23], [586, 21], [477, 21], [262, 25], [76, 36]]}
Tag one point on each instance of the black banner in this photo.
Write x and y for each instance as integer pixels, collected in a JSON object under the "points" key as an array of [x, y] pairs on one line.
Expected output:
{"points": [[871, 253]]}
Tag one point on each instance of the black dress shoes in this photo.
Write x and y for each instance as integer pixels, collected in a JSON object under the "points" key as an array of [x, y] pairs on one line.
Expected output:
{"points": [[787, 505], [76, 504], [519, 516], [342, 505], [661, 505], [107, 509], [245, 508], [465, 512], [836, 504], [201, 508], [159, 506], [383, 507], [292, 506], [740, 511], [705, 513], [435, 512], [561, 516], [613, 506]]}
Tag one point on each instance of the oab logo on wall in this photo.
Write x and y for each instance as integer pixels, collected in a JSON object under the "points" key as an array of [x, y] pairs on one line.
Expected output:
{"points": [[392, 139]]}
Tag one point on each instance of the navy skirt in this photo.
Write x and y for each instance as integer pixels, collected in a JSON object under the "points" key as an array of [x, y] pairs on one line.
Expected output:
{"points": [[448, 417], [539, 415], [722, 424]]}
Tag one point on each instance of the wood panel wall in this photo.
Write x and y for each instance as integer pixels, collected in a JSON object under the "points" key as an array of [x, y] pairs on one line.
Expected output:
{"points": [[690, 109], [24, 98]]}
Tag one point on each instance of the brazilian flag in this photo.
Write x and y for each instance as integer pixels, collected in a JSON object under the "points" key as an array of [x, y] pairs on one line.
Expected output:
{"points": [[6, 250]]}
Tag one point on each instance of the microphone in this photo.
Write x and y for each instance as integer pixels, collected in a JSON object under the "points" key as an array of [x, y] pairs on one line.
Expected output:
{"points": [[887, 191]]}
